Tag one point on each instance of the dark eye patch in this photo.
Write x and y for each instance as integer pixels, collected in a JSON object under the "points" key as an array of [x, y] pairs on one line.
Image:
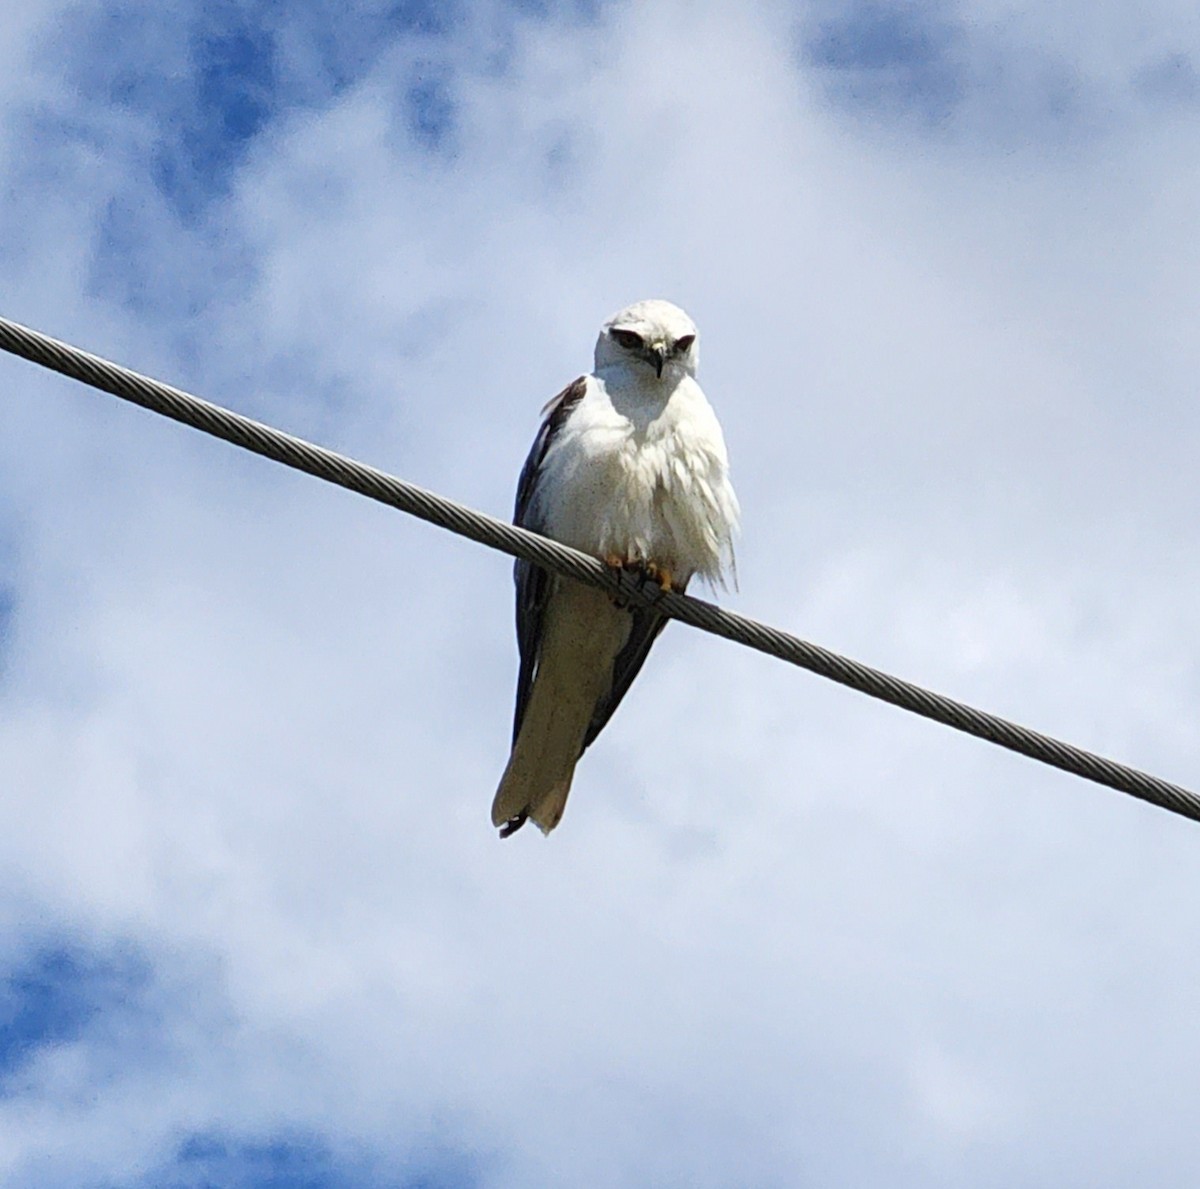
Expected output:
{"points": [[684, 344], [629, 339]]}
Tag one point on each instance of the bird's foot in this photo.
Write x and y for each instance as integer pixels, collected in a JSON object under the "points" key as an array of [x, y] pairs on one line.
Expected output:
{"points": [[513, 824], [620, 565], [646, 571], [658, 574]]}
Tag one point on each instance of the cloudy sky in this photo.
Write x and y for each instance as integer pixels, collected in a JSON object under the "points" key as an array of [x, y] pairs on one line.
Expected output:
{"points": [[255, 927]]}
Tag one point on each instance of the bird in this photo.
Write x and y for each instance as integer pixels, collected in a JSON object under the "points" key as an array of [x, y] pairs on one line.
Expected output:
{"points": [[629, 465]]}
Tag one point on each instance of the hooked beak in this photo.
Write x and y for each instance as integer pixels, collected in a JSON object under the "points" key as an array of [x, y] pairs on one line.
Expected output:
{"points": [[658, 353]]}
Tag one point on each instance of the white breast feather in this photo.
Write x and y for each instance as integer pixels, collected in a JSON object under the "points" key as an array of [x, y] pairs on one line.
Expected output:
{"points": [[637, 478]]}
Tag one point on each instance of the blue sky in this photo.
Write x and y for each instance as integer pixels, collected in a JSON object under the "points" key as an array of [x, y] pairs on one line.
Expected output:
{"points": [[255, 929]]}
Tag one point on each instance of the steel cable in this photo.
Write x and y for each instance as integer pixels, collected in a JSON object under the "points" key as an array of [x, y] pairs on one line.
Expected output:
{"points": [[498, 534]]}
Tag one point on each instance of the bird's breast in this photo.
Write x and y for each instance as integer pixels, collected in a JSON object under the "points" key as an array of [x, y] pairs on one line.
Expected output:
{"points": [[647, 488]]}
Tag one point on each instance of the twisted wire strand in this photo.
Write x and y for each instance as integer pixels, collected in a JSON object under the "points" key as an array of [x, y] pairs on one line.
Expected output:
{"points": [[498, 534]]}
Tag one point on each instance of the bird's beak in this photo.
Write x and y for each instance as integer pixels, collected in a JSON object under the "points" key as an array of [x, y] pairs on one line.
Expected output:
{"points": [[658, 352]]}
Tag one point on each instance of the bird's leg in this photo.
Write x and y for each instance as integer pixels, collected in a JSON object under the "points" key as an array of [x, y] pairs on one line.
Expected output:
{"points": [[618, 563], [659, 574], [657, 578], [646, 571]]}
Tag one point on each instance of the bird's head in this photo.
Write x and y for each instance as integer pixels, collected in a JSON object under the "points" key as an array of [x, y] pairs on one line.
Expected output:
{"points": [[654, 340]]}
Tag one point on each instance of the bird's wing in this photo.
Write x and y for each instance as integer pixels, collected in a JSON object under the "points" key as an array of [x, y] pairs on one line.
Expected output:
{"points": [[533, 583], [647, 625]]}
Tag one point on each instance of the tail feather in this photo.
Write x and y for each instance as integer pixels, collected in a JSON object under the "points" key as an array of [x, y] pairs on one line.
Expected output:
{"points": [[535, 785], [582, 634]]}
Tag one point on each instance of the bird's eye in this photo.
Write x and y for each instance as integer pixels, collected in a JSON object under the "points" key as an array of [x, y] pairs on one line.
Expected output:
{"points": [[629, 339], [684, 345]]}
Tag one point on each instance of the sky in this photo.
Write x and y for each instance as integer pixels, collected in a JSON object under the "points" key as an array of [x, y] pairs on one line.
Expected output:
{"points": [[255, 926]]}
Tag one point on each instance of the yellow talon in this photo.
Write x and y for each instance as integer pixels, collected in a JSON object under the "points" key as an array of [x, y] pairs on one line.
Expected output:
{"points": [[659, 575]]}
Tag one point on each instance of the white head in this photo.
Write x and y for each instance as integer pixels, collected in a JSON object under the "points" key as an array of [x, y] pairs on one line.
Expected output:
{"points": [[655, 340]]}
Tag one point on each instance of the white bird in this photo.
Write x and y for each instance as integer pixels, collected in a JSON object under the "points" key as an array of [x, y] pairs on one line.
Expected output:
{"points": [[630, 466]]}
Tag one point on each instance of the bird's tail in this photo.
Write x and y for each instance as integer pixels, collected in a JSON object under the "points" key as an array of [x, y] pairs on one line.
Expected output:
{"points": [[581, 635], [526, 792]]}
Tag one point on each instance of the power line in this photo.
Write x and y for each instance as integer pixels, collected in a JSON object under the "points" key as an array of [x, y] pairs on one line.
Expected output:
{"points": [[518, 542]]}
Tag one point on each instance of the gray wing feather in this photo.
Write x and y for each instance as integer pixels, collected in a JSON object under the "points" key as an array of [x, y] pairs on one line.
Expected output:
{"points": [[646, 628], [533, 583]]}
